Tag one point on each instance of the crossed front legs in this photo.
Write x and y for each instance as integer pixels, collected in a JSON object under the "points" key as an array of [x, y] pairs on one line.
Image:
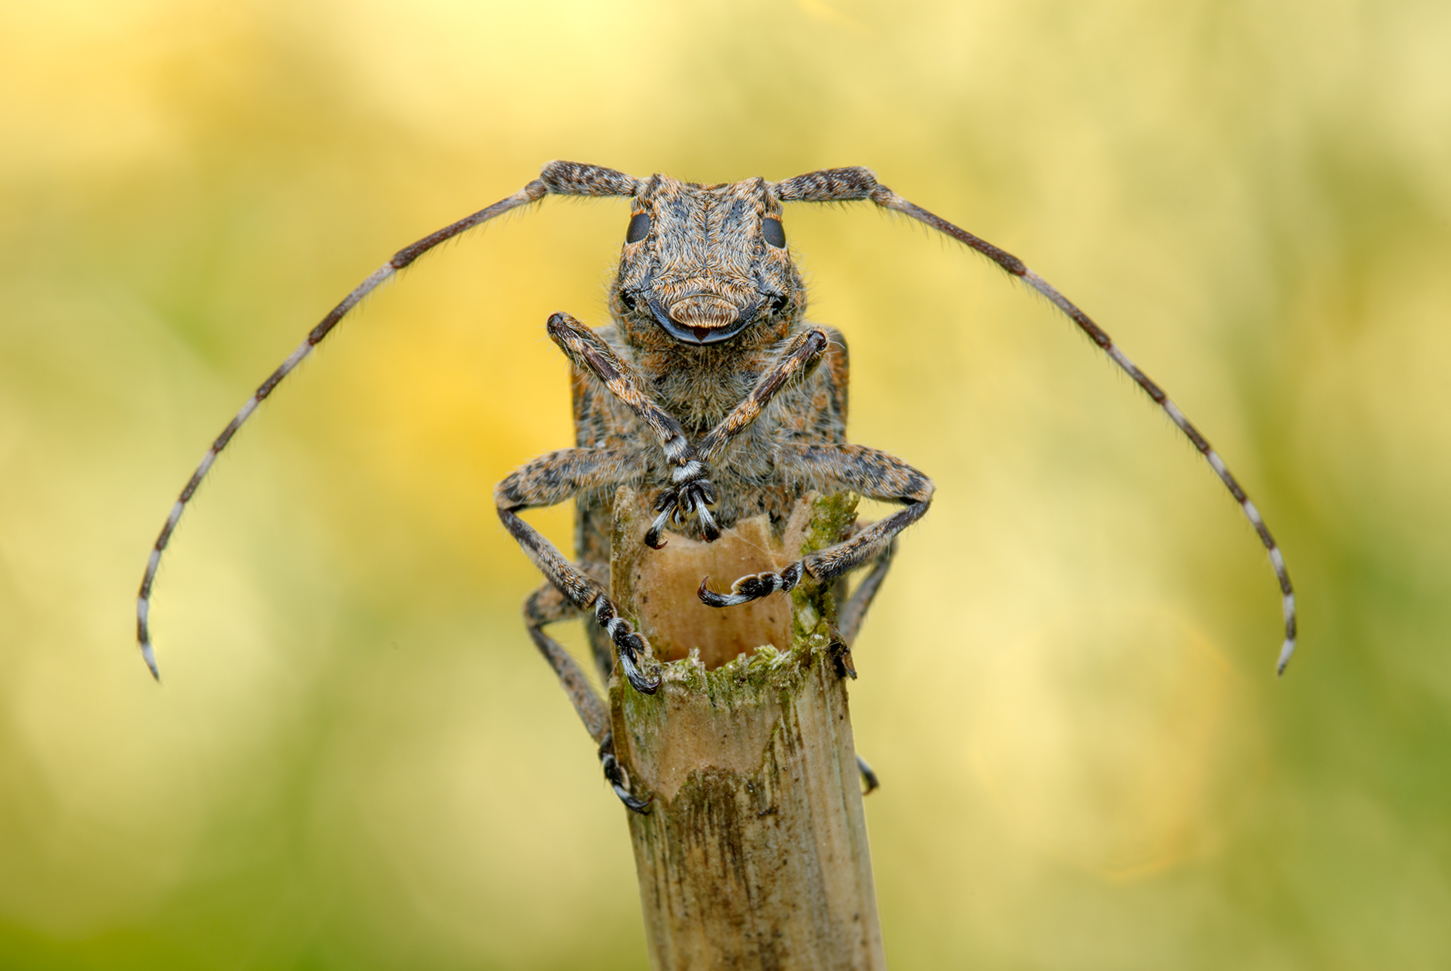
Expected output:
{"points": [[691, 492]]}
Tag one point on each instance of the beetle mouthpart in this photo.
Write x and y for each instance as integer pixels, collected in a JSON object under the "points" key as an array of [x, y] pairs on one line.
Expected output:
{"points": [[704, 312], [703, 318]]}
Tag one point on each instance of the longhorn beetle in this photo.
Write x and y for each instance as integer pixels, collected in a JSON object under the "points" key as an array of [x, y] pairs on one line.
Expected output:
{"points": [[711, 392]]}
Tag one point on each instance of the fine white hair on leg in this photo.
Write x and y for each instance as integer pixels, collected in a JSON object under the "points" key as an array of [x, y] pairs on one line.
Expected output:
{"points": [[693, 469]]}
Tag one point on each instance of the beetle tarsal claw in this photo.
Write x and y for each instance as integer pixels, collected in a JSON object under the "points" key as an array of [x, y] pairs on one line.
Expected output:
{"points": [[615, 776], [743, 591], [752, 587], [675, 505], [652, 535], [870, 782], [629, 645], [637, 678], [632, 646], [841, 660], [641, 806]]}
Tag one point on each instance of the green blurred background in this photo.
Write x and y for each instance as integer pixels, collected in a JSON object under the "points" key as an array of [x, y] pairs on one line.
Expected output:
{"points": [[358, 761]]}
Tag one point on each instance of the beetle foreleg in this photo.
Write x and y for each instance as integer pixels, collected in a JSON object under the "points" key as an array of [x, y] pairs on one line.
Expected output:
{"points": [[797, 360]]}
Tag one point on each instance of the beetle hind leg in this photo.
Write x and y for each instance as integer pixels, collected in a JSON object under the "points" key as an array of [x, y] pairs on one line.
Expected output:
{"points": [[545, 606], [851, 614], [547, 481]]}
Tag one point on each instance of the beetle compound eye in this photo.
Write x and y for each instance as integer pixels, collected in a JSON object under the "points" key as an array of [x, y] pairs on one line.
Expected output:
{"points": [[639, 226], [774, 233]]}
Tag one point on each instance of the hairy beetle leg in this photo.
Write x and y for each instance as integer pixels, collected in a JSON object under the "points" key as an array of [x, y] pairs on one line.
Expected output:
{"points": [[752, 587], [841, 659], [870, 782], [689, 497], [631, 646], [652, 535], [615, 776], [634, 675]]}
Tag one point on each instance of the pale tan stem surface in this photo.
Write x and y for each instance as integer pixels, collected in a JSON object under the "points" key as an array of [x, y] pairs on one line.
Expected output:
{"points": [[754, 853]]}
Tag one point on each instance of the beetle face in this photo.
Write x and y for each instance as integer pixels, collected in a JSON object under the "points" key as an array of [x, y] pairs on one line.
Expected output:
{"points": [[705, 262]]}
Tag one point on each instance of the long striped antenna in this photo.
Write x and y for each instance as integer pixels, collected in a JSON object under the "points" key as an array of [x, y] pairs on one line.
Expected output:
{"points": [[888, 199], [557, 178], [841, 185]]}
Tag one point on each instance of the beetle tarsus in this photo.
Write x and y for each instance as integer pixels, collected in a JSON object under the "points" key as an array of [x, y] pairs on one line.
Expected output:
{"points": [[752, 587], [629, 645], [637, 678], [615, 776], [692, 497], [870, 782], [841, 659]]}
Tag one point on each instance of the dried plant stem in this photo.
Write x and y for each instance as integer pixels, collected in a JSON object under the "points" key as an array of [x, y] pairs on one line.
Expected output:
{"points": [[754, 853]]}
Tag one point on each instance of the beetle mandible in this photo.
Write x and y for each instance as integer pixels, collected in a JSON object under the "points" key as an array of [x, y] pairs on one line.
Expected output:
{"points": [[709, 392]]}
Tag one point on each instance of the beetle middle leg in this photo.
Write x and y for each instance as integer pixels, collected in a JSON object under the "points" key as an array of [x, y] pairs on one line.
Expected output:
{"points": [[547, 481], [849, 619], [835, 468]]}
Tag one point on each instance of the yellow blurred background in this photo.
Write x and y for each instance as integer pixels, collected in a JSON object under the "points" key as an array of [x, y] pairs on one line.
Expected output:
{"points": [[357, 759]]}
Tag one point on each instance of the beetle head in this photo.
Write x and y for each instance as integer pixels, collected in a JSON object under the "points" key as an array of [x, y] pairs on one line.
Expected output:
{"points": [[703, 263]]}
